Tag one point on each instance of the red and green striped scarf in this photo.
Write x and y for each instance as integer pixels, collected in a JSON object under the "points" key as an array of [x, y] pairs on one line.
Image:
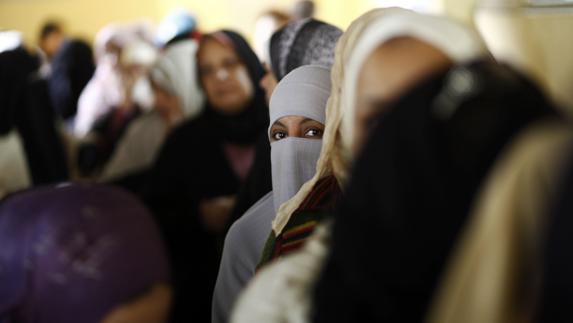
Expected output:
{"points": [[318, 205]]}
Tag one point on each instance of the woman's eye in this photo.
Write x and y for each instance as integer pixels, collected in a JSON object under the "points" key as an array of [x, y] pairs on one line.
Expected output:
{"points": [[206, 71], [279, 135], [230, 64], [313, 133]]}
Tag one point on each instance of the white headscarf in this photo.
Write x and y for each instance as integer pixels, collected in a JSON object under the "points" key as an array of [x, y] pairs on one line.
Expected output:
{"points": [[14, 173], [362, 38], [105, 90], [10, 39], [303, 92], [176, 73], [460, 43]]}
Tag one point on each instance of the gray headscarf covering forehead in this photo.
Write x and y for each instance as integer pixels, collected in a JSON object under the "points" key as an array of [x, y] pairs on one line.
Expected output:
{"points": [[303, 92], [303, 42]]}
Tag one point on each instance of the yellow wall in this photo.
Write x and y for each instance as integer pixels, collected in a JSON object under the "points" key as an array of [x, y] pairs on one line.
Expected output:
{"points": [[506, 35], [86, 17], [537, 42], [82, 17], [459, 9]]}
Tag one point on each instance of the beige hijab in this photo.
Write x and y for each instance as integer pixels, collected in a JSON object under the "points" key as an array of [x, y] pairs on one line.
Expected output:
{"points": [[364, 35], [492, 275]]}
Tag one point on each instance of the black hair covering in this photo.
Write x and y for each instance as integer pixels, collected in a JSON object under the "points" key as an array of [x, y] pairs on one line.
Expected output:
{"points": [[556, 300], [72, 68], [412, 189], [16, 67], [25, 107], [43, 143], [244, 127]]}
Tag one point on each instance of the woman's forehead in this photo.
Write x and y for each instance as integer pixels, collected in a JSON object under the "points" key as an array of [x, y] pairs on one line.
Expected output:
{"points": [[216, 50], [294, 119]]}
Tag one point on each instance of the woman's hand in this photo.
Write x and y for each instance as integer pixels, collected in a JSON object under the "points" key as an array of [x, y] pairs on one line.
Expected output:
{"points": [[215, 212]]}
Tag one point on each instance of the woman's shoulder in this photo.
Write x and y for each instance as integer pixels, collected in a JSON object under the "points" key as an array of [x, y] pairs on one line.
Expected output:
{"points": [[255, 224]]}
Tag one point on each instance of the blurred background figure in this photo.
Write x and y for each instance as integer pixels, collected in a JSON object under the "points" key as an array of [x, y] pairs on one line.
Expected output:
{"points": [[16, 66], [71, 69], [177, 97], [193, 184], [117, 94], [174, 97], [124, 54], [81, 253], [50, 40]]}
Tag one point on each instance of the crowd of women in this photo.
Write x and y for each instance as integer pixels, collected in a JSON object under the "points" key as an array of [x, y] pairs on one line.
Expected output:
{"points": [[390, 172]]}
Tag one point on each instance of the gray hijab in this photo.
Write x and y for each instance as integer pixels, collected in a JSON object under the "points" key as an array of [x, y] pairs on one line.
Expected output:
{"points": [[303, 92], [303, 42]]}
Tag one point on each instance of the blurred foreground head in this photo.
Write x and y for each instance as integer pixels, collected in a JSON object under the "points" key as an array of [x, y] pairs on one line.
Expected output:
{"points": [[81, 253]]}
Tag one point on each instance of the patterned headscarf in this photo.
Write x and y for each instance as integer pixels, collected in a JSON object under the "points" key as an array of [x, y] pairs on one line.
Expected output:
{"points": [[303, 42]]}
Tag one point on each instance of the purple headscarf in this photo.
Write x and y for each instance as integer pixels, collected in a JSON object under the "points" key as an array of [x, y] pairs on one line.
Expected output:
{"points": [[73, 253]]}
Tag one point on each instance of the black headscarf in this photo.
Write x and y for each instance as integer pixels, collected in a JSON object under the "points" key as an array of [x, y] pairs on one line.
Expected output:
{"points": [[412, 188], [16, 67], [191, 167], [25, 107], [72, 68], [244, 127]]}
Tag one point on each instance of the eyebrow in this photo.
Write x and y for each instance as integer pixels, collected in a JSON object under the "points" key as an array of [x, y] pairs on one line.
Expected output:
{"points": [[307, 120], [278, 123]]}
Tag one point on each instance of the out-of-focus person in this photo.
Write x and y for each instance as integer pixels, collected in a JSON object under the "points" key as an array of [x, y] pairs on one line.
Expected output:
{"points": [[50, 40], [81, 253], [203, 163], [177, 97], [123, 54], [118, 94]]}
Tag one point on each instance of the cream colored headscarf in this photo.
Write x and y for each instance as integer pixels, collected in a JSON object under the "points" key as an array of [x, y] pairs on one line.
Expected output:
{"points": [[492, 274], [365, 35]]}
